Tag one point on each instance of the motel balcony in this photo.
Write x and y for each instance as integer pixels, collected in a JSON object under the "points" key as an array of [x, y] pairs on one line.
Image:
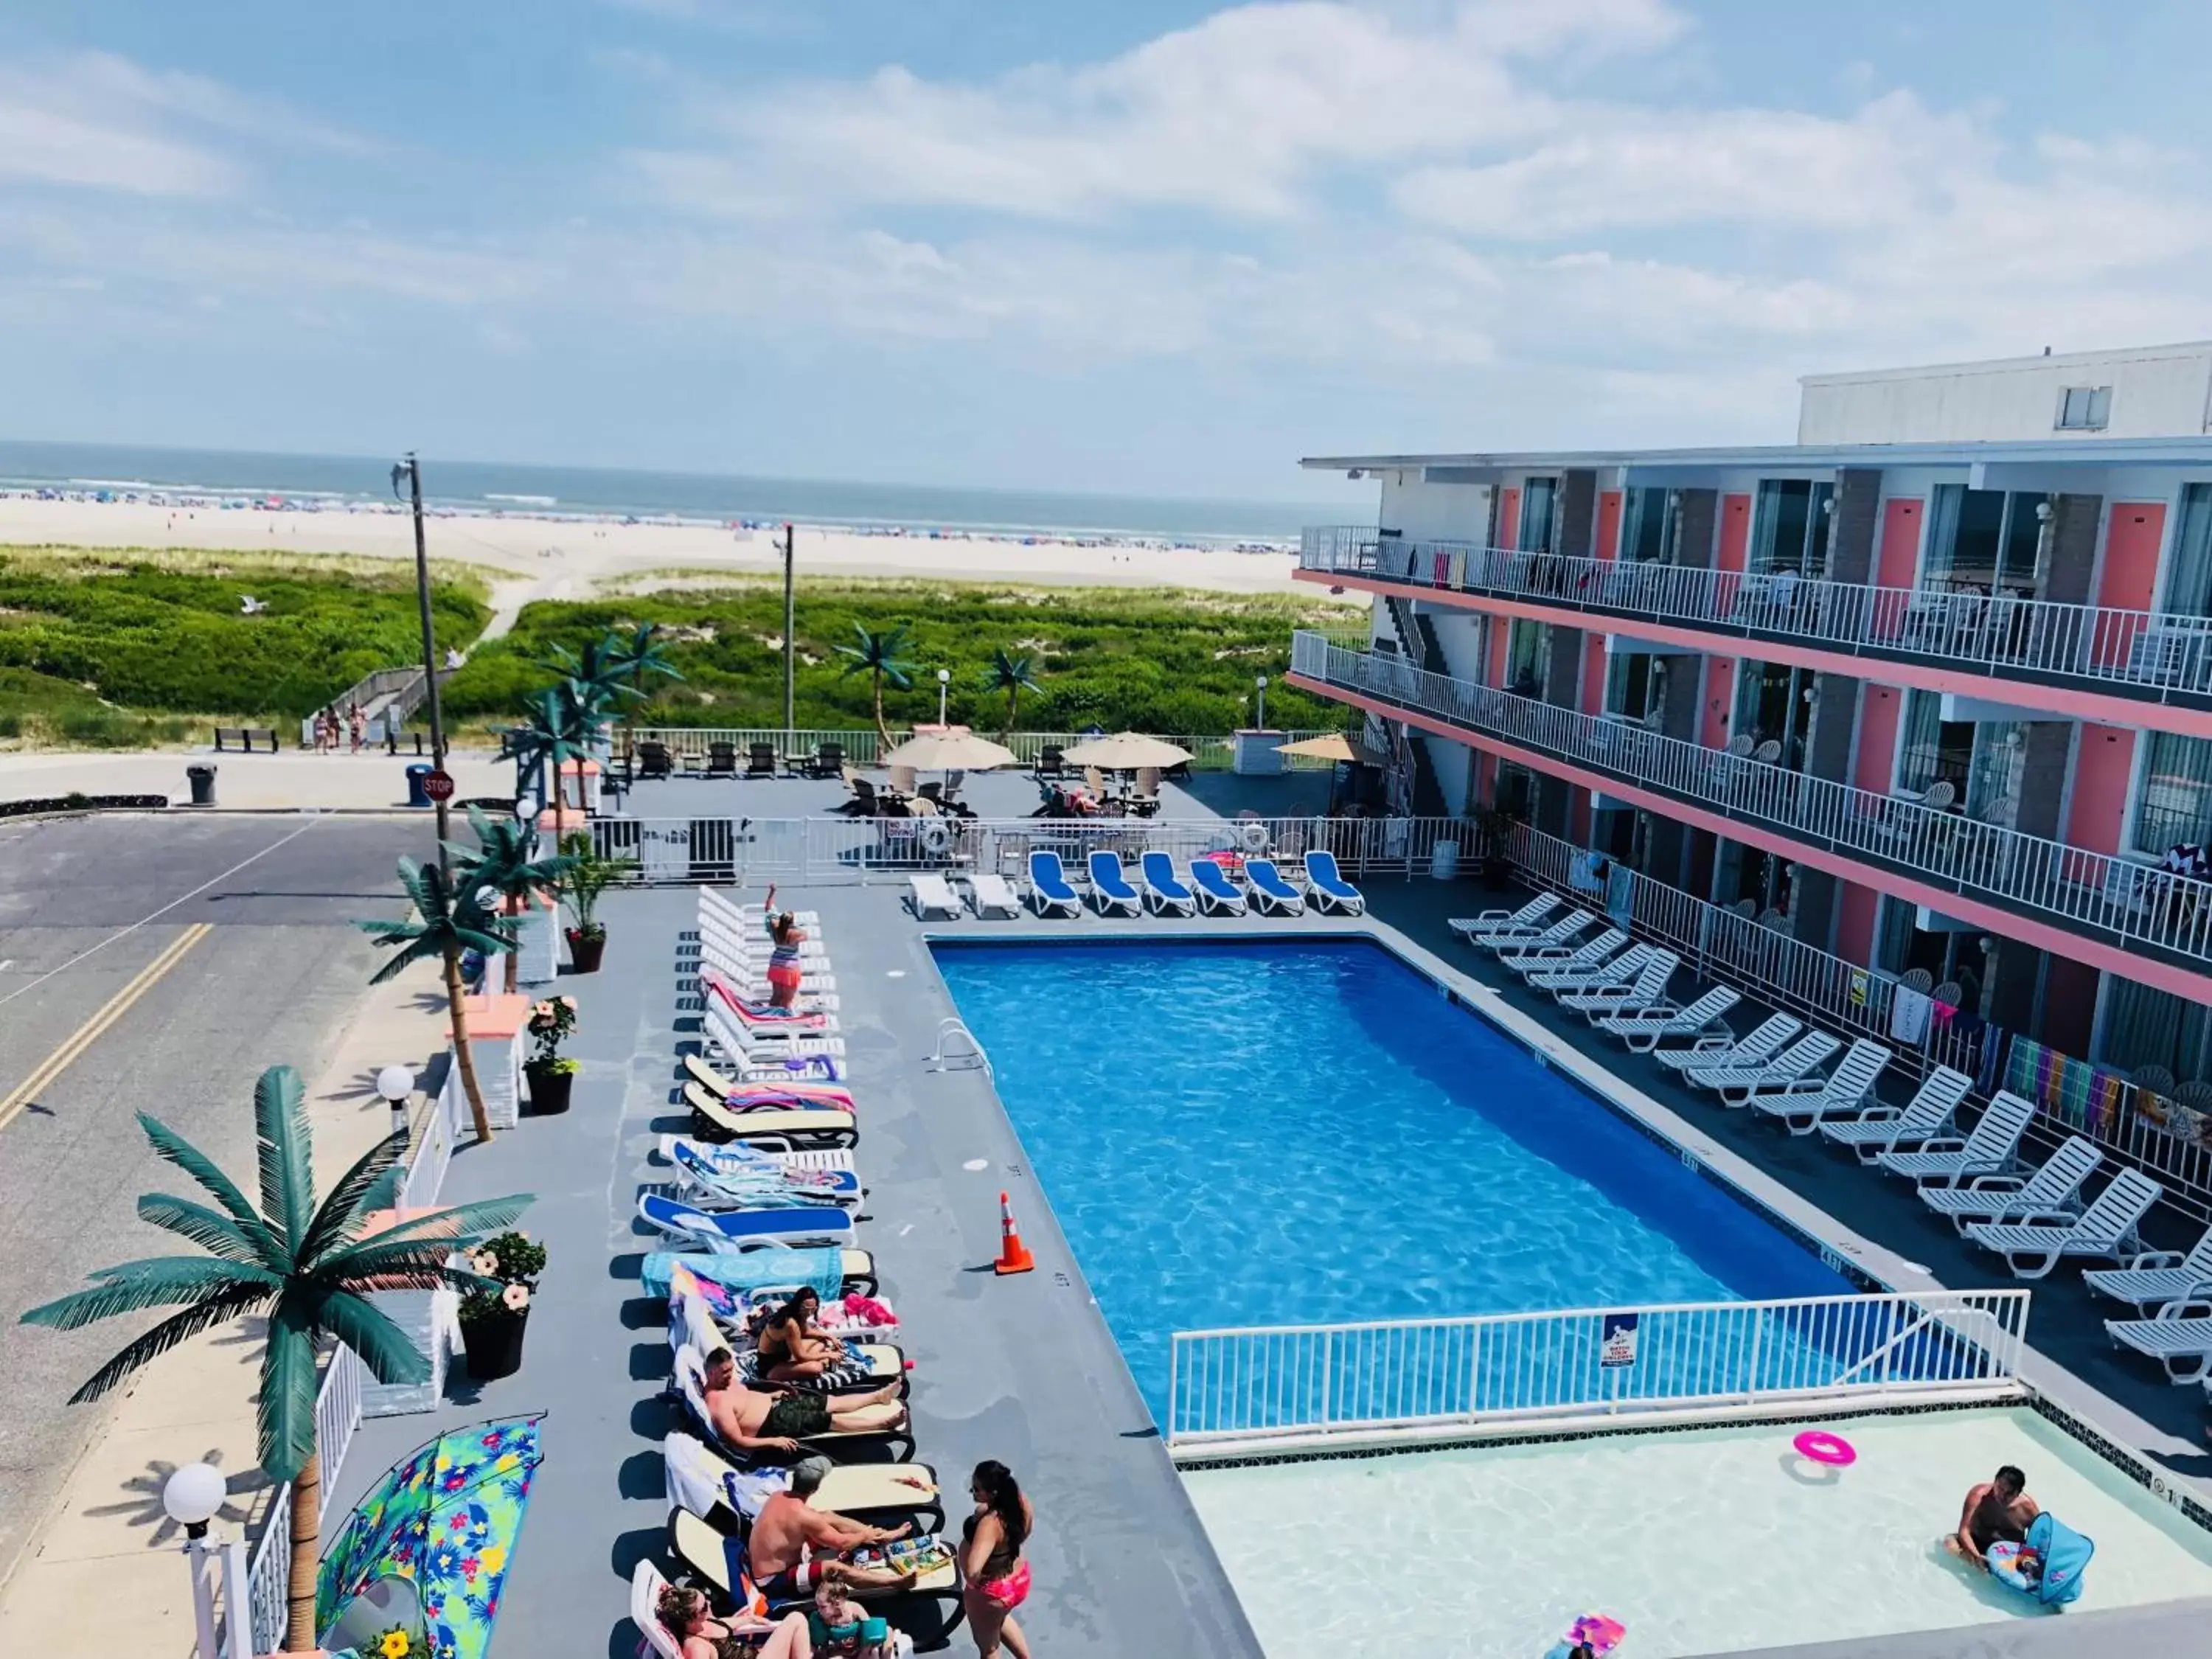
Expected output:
{"points": [[2116, 913], [2143, 668]]}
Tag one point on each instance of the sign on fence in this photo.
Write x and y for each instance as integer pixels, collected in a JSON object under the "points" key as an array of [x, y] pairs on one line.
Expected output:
{"points": [[1617, 1341]]}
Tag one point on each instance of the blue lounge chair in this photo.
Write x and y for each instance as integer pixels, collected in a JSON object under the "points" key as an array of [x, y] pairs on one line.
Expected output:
{"points": [[1164, 891], [1274, 895], [720, 1229], [1329, 890], [1109, 887], [1049, 893], [1218, 895]]}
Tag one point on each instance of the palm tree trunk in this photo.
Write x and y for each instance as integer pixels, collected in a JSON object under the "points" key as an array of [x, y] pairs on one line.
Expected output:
{"points": [[883, 731], [513, 909], [1013, 703], [306, 1556], [457, 1007]]}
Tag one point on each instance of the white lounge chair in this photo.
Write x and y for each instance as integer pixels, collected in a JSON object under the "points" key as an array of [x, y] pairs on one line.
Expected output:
{"points": [[1647, 990], [2178, 1336], [1561, 958], [1618, 972], [1531, 917], [1645, 1030], [992, 891], [739, 1047], [1767, 1039], [1736, 1084], [2032, 1245], [1561, 932], [2156, 1278], [1925, 1117], [1993, 1147], [754, 917], [1804, 1105], [928, 891], [2054, 1189]]}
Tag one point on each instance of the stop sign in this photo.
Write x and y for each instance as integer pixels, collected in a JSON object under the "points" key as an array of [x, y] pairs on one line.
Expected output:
{"points": [[439, 785]]}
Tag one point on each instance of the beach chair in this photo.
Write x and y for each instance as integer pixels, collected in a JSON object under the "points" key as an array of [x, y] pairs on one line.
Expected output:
{"points": [[1645, 1030], [931, 891], [870, 1431], [733, 1177], [990, 891], [1846, 1092], [1109, 888], [2156, 1277], [760, 761], [876, 1494], [653, 760], [2178, 1336], [821, 1162], [1724, 1049], [2053, 1189], [798, 1128], [1555, 942], [1165, 892], [716, 1563], [1618, 972], [1272, 894], [829, 761], [1560, 958], [2107, 1230], [1926, 1116], [689, 1224], [1328, 890], [1645, 991], [1218, 895], [785, 1088], [721, 760], [1736, 1084], [1049, 893], [1049, 764], [1992, 1148], [761, 1025], [1531, 917]]}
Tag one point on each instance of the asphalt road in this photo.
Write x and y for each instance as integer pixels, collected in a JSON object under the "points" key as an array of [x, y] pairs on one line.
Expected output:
{"points": [[252, 918]]}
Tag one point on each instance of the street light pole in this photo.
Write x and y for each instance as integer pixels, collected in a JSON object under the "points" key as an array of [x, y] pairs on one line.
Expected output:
{"points": [[943, 684], [414, 471], [1261, 722], [789, 644]]}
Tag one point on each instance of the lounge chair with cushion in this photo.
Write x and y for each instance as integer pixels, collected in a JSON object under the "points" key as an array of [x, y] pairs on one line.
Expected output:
{"points": [[870, 1431], [1617, 972], [1328, 890], [1218, 895], [931, 891], [1530, 918], [785, 1086], [1165, 892], [1645, 1030], [2054, 1189], [2178, 1336], [1561, 958], [1766, 1040], [1274, 895], [992, 891], [1992, 1148], [2107, 1230], [2155, 1278], [715, 1562], [1736, 1084], [689, 1226], [1926, 1116], [1109, 888], [1050, 895], [1646, 991], [797, 1128], [1805, 1105], [879, 1494]]}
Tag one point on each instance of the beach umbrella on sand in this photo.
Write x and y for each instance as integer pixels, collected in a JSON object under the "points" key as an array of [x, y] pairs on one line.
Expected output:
{"points": [[957, 750], [1126, 751]]}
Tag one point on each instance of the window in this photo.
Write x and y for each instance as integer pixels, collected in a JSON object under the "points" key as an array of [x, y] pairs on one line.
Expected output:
{"points": [[1538, 498], [1649, 536], [1528, 659], [2085, 408], [1794, 520], [2174, 805], [2189, 582], [2147, 1027], [1987, 540], [1635, 684]]}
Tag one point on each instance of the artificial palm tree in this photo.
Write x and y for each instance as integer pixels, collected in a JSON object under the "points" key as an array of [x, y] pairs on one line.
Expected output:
{"points": [[304, 1267], [1013, 675], [881, 657], [505, 860], [564, 721], [446, 922], [639, 657]]}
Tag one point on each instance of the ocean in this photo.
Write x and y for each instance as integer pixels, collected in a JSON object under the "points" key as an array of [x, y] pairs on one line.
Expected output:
{"points": [[602, 492]]}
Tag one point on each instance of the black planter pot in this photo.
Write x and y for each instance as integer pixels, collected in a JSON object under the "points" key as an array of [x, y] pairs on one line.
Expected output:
{"points": [[549, 1089], [584, 953], [494, 1344]]}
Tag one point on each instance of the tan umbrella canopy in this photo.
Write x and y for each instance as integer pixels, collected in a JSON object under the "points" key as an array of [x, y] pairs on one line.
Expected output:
{"points": [[1125, 751], [1333, 747], [949, 751]]}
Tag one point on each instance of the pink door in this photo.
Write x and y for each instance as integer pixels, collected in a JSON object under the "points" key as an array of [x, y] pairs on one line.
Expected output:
{"points": [[2132, 537], [1508, 517], [1874, 763], [1720, 691], [1608, 525], [1900, 559], [2104, 759], [1593, 673]]}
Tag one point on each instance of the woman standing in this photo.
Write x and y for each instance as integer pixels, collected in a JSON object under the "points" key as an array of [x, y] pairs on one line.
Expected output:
{"points": [[991, 1561], [784, 971]]}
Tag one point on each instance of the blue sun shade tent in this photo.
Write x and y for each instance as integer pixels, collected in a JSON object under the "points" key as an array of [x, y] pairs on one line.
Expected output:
{"points": [[2065, 1555]]}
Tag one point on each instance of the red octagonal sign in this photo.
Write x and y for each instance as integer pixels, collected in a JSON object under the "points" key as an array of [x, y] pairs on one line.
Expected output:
{"points": [[439, 785]]}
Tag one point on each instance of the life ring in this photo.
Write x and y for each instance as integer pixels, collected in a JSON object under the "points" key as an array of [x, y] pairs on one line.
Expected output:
{"points": [[1253, 837], [1821, 1447], [935, 835]]}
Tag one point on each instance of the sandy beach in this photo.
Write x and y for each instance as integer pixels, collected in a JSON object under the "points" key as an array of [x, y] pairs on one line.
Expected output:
{"points": [[569, 558]]}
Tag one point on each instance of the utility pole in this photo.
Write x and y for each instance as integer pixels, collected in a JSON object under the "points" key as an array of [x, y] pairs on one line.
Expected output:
{"points": [[414, 471], [789, 644]]}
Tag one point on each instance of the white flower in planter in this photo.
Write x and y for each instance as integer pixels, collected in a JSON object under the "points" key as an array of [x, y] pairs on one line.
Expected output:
{"points": [[484, 1263], [516, 1297]]}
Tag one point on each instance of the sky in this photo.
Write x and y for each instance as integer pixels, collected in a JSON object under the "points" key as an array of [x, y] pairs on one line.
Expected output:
{"points": [[1140, 247]]}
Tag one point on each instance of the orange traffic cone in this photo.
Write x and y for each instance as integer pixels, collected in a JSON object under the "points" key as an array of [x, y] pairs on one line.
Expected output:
{"points": [[1014, 1256]]}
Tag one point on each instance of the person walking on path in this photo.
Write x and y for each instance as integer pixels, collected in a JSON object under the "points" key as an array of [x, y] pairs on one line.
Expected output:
{"points": [[995, 1575], [356, 725]]}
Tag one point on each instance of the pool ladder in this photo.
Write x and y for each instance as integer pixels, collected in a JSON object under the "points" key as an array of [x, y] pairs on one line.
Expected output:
{"points": [[944, 1059]]}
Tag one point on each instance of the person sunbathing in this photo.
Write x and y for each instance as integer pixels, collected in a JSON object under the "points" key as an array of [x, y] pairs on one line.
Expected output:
{"points": [[794, 1545], [792, 1345], [754, 1420], [690, 1619]]}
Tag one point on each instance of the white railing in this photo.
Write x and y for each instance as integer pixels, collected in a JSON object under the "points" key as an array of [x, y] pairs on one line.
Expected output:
{"points": [[2155, 656], [1431, 1378], [2096, 894], [337, 1414], [434, 1143], [691, 744]]}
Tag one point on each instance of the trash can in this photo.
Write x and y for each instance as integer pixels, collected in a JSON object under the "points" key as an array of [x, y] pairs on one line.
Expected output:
{"points": [[416, 794], [1443, 860], [202, 779]]}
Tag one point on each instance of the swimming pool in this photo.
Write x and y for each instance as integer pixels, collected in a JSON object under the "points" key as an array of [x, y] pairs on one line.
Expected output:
{"points": [[1309, 1132]]}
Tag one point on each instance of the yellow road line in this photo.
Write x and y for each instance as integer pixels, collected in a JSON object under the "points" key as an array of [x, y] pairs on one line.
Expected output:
{"points": [[90, 1032]]}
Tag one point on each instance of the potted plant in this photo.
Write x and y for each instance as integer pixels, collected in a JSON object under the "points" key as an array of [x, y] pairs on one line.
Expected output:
{"points": [[495, 1313], [550, 1076], [589, 876]]}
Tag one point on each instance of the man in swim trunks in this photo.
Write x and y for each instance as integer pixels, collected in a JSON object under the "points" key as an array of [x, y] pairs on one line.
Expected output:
{"points": [[771, 1424], [794, 1545], [1995, 1511]]}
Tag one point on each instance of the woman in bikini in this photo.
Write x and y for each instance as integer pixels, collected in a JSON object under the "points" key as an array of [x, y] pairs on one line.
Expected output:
{"points": [[784, 969], [792, 1347], [997, 1577], [690, 1619]]}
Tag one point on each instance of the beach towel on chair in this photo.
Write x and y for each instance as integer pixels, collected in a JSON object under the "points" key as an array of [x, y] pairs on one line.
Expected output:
{"points": [[724, 1278]]}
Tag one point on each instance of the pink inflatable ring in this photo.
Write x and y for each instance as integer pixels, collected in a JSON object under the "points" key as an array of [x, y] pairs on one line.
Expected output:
{"points": [[1825, 1448]]}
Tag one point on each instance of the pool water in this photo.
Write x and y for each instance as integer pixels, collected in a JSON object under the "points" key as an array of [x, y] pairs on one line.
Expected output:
{"points": [[1240, 1134], [1704, 1541]]}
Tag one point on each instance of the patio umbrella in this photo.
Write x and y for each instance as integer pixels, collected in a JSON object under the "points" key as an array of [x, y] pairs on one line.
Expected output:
{"points": [[950, 752], [1125, 751], [1333, 747], [446, 1517]]}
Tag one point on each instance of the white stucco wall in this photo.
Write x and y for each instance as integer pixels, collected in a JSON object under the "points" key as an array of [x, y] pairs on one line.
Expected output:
{"points": [[2157, 392]]}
